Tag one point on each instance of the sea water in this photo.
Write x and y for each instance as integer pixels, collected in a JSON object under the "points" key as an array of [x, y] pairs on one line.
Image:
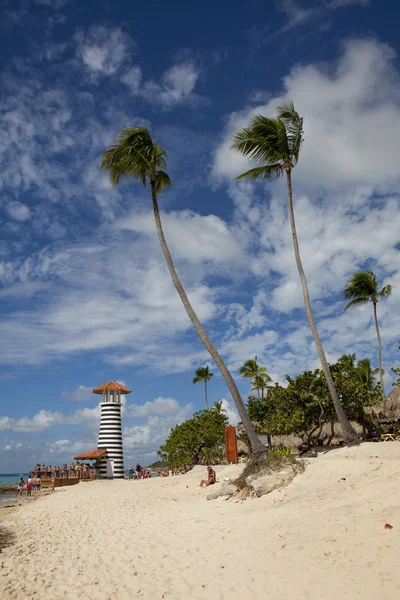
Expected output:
{"points": [[10, 479]]}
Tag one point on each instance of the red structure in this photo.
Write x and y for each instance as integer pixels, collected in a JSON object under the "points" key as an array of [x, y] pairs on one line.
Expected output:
{"points": [[231, 450]]}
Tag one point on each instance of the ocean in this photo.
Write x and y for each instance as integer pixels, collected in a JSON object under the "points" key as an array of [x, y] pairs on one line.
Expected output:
{"points": [[10, 479]]}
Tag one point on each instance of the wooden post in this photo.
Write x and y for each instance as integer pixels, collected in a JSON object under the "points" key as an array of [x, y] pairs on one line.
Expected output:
{"points": [[231, 451]]}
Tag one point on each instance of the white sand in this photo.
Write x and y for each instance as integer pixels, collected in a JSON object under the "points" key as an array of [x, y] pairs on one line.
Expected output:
{"points": [[321, 537]]}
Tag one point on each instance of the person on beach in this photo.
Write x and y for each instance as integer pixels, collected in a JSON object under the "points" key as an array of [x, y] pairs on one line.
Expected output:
{"points": [[130, 472], [20, 486], [212, 478], [29, 487]]}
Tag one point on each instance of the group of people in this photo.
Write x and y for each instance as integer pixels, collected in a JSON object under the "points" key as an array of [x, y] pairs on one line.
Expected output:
{"points": [[138, 473], [80, 470], [32, 485]]}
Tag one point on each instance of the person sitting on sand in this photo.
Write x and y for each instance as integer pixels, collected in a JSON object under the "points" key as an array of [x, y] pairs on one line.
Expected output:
{"points": [[212, 478]]}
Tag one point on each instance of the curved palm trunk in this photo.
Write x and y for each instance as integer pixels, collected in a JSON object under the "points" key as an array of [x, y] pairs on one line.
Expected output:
{"points": [[205, 392], [349, 434], [257, 446], [379, 348]]}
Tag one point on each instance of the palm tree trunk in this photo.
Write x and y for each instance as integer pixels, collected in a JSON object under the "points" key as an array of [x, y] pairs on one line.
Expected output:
{"points": [[257, 446], [349, 434], [379, 348], [205, 392]]}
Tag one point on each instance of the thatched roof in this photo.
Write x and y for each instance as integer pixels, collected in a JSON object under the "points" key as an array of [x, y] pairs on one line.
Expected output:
{"points": [[388, 410], [294, 442]]}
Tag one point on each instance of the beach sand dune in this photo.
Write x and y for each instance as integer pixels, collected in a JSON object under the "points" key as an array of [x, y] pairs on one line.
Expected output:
{"points": [[323, 536]]}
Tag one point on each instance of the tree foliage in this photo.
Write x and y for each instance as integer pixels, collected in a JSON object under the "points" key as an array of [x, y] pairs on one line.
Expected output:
{"points": [[305, 404], [200, 437]]}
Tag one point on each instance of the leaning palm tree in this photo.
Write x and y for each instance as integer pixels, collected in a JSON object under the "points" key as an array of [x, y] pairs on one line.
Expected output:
{"points": [[203, 374], [274, 144], [137, 155], [361, 289]]}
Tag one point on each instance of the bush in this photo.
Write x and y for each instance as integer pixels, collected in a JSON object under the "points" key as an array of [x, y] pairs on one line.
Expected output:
{"points": [[273, 461]]}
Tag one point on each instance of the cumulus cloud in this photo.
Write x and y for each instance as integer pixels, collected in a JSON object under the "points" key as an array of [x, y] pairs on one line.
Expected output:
{"points": [[344, 106]]}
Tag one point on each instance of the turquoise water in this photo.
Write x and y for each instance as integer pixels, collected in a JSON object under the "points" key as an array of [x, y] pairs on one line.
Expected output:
{"points": [[7, 478]]}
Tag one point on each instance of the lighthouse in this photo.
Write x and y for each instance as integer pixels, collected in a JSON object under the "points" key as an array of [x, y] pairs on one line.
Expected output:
{"points": [[110, 433]]}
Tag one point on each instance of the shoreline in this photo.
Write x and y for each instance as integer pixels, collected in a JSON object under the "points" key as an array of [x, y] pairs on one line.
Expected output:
{"points": [[160, 538]]}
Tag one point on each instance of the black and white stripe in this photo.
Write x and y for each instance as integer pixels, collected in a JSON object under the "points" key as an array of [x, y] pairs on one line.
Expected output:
{"points": [[110, 438]]}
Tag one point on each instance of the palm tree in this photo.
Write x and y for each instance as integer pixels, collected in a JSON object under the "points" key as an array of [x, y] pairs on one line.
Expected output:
{"points": [[275, 145], [361, 289], [203, 374], [136, 155], [259, 375], [348, 361], [364, 373]]}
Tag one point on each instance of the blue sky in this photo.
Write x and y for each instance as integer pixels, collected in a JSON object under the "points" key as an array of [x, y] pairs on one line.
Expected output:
{"points": [[85, 294]]}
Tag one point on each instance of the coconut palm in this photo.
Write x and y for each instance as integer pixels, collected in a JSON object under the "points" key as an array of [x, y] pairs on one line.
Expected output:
{"points": [[364, 373], [348, 361], [259, 375], [137, 155], [361, 289], [203, 374], [274, 144]]}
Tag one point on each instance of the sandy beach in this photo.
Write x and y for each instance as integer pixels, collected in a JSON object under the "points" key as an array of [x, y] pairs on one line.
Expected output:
{"points": [[322, 536]]}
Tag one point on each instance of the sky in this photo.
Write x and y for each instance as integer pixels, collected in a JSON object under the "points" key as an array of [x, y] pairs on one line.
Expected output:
{"points": [[84, 292]]}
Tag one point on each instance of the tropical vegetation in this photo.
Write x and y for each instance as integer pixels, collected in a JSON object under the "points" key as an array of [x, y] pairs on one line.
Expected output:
{"points": [[201, 437], [305, 405], [136, 155], [274, 145], [362, 288]]}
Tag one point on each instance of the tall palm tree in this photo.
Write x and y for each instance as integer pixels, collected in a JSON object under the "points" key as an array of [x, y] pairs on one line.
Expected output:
{"points": [[258, 374], [137, 155], [361, 289], [203, 374], [364, 373], [274, 144]]}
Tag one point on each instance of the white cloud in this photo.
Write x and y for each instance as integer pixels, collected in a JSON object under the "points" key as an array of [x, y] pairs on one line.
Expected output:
{"points": [[18, 211], [319, 11], [103, 50], [44, 419], [176, 86], [158, 407], [345, 107], [82, 393], [231, 412]]}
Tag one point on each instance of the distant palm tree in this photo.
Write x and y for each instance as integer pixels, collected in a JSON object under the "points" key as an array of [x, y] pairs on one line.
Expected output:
{"points": [[348, 361], [364, 373], [136, 155], [258, 374], [203, 374], [361, 289], [275, 145]]}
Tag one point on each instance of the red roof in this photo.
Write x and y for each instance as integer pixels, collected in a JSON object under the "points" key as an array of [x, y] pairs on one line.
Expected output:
{"points": [[111, 385], [92, 455]]}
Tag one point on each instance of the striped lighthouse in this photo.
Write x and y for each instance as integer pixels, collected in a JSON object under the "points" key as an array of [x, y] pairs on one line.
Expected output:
{"points": [[110, 433]]}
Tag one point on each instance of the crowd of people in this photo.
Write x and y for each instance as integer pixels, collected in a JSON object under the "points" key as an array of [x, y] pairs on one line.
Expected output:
{"points": [[76, 470], [144, 473], [31, 486]]}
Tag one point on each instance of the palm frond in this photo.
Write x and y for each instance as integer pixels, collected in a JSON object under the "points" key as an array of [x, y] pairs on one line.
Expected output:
{"points": [[385, 292], [135, 155], [294, 128], [263, 141], [357, 302], [162, 181], [361, 284], [271, 172]]}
